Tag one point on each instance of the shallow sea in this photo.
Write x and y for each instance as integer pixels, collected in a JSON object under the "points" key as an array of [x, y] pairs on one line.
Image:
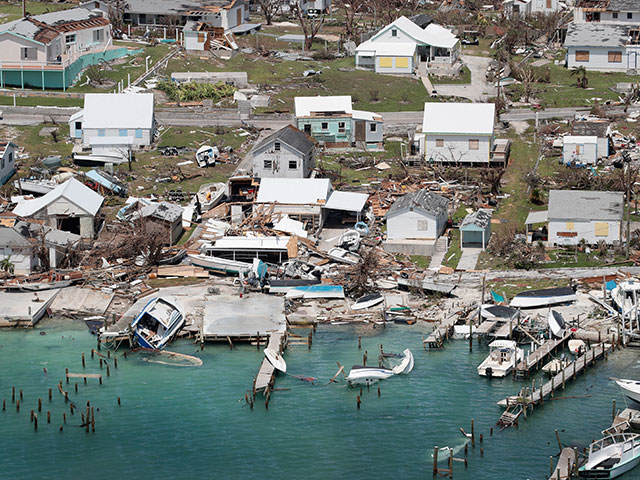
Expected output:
{"points": [[179, 422]]}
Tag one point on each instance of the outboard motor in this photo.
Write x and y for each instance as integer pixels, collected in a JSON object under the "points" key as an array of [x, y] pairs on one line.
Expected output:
{"points": [[489, 372]]}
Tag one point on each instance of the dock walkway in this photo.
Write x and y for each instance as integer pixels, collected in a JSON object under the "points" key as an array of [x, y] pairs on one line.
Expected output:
{"points": [[441, 333], [565, 465], [529, 399], [266, 374], [534, 359]]}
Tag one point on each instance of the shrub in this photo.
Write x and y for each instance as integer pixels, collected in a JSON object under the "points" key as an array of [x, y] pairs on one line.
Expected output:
{"points": [[190, 91]]}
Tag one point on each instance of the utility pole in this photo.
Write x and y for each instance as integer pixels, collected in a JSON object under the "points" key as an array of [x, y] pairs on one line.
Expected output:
{"points": [[627, 161]]}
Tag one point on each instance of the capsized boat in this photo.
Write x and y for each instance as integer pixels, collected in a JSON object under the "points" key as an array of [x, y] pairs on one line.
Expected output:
{"points": [[343, 256], [493, 312], [367, 301], [631, 388], [625, 296], [350, 240], [157, 324], [406, 364], [556, 323], [577, 346], [611, 456], [275, 359], [544, 298], [503, 357], [360, 375]]}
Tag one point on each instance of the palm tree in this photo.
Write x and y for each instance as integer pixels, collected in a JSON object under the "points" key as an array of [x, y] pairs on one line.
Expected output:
{"points": [[6, 265], [581, 76]]}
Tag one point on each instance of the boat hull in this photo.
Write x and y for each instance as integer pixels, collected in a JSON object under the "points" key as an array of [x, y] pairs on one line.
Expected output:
{"points": [[368, 376], [627, 387]]}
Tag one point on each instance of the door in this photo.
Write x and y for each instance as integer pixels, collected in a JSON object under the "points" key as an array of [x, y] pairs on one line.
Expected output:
{"points": [[239, 16], [633, 61], [360, 130], [307, 128]]}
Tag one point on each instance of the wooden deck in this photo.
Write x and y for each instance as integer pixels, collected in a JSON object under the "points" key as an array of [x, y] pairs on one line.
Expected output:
{"points": [[533, 360], [266, 373], [486, 327], [440, 333], [565, 465]]}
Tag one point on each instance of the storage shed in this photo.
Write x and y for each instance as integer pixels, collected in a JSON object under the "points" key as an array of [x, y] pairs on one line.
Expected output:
{"points": [[579, 150], [417, 215], [475, 229]]}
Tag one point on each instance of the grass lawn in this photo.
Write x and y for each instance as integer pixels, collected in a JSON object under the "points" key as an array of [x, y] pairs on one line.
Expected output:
{"points": [[464, 77], [120, 69], [44, 101], [41, 146], [454, 253], [13, 11], [562, 90], [566, 259], [370, 91], [480, 50], [421, 261]]}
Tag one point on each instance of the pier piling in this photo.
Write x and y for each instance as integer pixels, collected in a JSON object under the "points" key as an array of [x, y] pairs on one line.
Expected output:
{"points": [[358, 401], [13, 394], [64, 417], [31, 416], [435, 461], [115, 360], [48, 416], [20, 394], [359, 342], [50, 394], [108, 371], [35, 422], [473, 435], [613, 411], [4, 405], [18, 405], [76, 386], [119, 401], [83, 363], [39, 404]]}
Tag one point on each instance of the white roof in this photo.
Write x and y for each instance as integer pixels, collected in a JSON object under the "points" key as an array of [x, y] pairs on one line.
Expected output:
{"points": [[297, 191], [503, 344], [118, 110], [363, 115], [72, 190], [578, 139], [459, 118], [537, 217], [76, 116], [434, 35], [251, 243], [387, 48], [307, 105], [347, 201], [439, 36]]}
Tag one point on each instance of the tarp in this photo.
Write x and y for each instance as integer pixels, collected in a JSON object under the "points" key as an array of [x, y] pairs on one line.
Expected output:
{"points": [[611, 285], [497, 297]]}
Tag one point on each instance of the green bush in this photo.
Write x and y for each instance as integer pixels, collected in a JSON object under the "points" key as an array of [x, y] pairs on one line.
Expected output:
{"points": [[190, 91]]}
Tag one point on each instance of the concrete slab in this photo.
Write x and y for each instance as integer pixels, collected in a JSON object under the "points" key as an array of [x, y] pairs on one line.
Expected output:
{"points": [[469, 258], [410, 247], [24, 308], [79, 299], [232, 316]]}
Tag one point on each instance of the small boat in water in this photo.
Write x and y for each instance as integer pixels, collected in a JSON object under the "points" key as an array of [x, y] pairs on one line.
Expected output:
{"points": [[367, 301], [406, 364], [630, 388], [503, 357], [157, 324], [343, 256], [611, 456], [556, 323], [555, 366], [360, 375], [577, 347], [275, 359], [544, 298]]}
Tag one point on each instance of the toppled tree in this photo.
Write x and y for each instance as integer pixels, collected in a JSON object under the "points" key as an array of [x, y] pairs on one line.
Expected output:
{"points": [[492, 178], [361, 275]]}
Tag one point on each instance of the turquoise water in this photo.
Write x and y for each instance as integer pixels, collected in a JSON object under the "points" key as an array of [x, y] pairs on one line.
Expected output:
{"points": [[178, 422]]}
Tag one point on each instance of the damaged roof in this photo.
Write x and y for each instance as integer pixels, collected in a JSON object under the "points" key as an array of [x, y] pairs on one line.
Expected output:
{"points": [[165, 211], [588, 129], [9, 237], [291, 136], [624, 5], [596, 35], [585, 205], [71, 190], [480, 218], [424, 200]]}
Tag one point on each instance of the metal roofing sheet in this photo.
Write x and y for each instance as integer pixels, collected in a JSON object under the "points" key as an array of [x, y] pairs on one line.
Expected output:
{"points": [[585, 205], [118, 110], [298, 191], [305, 106], [72, 190], [459, 118], [347, 201]]}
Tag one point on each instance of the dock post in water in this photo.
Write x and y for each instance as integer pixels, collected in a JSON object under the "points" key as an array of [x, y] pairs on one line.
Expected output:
{"points": [[435, 461], [83, 364], [473, 435]]}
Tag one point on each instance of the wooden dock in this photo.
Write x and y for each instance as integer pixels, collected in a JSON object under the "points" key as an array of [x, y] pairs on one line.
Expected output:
{"points": [[565, 466], [266, 374], [534, 359], [527, 398], [441, 333]]}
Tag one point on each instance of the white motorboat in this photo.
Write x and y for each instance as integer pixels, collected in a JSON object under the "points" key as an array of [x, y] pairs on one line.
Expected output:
{"points": [[275, 359], [556, 323], [217, 264], [577, 347], [406, 364], [210, 194], [367, 301], [555, 366], [360, 375], [631, 388], [350, 240], [544, 298], [503, 357], [206, 156], [343, 256], [625, 296], [611, 456], [157, 324]]}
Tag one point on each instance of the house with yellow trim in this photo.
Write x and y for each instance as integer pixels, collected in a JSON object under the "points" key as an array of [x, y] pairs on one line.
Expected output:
{"points": [[581, 214], [402, 46]]}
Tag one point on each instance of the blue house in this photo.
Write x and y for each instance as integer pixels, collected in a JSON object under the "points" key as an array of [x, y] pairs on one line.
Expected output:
{"points": [[7, 161], [475, 229]]}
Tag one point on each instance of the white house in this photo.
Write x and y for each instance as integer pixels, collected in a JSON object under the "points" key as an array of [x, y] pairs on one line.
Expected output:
{"points": [[18, 249], [70, 207], [415, 221], [460, 133], [596, 127], [112, 123], [287, 153], [7, 161], [402, 45], [580, 214], [607, 11], [602, 47], [579, 150], [528, 7]]}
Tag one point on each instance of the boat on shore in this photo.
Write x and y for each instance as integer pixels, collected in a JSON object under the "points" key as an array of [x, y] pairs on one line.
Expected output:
{"points": [[427, 285], [625, 296], [503, 357], [630, 388], [544, 298], [556, 323], [343, 256], [611, 456], [367, 301], [218, 264], [210, 195], [157, 324]]}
